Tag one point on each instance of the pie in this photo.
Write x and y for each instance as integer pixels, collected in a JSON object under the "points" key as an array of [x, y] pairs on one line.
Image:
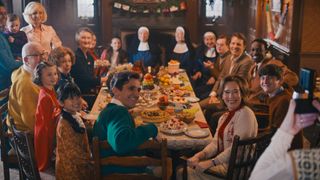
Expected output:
{"points": [[173, 126], [154, 116]]}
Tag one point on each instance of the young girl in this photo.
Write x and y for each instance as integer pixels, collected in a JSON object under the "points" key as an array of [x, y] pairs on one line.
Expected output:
{"points": [[47, 113], [115, 54], [64, 58], [73, 153]]}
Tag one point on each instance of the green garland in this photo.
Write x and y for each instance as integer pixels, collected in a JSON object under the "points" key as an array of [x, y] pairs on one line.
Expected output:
{"points": [[165, 7]]}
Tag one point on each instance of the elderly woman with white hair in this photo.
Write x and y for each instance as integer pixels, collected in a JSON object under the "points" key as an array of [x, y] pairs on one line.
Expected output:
{"points": [[206, 55], [143, 50], [35, 15], [181, 49]]}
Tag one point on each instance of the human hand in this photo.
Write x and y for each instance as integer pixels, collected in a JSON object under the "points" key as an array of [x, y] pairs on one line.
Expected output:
{"points": [[193, 161], [84, 104], [211, 81], [203, 165], [213, 99], [158, 138], [196, 76], [10, 39], [293, 123], [208, 64]]}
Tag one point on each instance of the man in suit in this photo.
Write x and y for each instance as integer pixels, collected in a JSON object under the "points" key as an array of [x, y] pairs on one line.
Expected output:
{"points": [[259, 53], [240, 64]]}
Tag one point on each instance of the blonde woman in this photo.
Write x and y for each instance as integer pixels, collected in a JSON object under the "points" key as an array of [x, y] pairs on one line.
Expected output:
{"points": [[35, 15]]}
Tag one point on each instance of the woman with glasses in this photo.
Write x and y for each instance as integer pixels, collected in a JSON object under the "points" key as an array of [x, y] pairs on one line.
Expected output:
{"points": [[35, 15], [238, 120]]}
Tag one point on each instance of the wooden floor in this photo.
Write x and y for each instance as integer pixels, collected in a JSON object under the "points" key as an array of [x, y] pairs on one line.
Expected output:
{"points": [[14, 174]]}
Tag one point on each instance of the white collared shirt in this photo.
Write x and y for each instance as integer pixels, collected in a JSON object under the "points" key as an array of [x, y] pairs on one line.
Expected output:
{"points": [[180, 48], [47, 37], [116, 101], [143, 46], [211, 53]]}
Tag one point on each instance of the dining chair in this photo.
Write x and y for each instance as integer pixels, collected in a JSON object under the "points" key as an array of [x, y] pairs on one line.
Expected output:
{"points": [[133, 161], [23, 145], [8, 160], [244, 155]]}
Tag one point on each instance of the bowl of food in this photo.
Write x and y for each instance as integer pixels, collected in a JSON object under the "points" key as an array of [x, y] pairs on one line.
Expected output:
{"points": [[186, 117]]}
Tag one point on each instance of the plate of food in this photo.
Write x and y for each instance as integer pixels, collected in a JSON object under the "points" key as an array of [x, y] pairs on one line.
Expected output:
{"points": [[179, 100], [192, 99], [173, 126], [196, 133], [154, 115]]}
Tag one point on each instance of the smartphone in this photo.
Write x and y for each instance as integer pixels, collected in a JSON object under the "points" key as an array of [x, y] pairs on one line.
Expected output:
{"points": [[306, 84]]}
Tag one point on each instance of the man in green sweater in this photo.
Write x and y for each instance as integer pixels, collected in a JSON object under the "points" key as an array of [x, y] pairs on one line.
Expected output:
{"points": [[116, 125]]}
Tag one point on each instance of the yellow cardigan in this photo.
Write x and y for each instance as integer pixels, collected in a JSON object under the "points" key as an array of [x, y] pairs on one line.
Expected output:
{"points": [[23, 99]]}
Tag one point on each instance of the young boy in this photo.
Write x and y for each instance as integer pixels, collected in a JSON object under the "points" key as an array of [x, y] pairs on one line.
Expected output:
{"points": [[15, 37]]}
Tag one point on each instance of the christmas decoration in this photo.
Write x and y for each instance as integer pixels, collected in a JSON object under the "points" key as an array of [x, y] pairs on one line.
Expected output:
{"points": [[165, 6]]}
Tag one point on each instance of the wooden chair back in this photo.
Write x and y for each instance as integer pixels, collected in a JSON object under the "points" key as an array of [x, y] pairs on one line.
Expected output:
{"points": [[132, 161], [11, 160], [244, 155], [23, 144]]}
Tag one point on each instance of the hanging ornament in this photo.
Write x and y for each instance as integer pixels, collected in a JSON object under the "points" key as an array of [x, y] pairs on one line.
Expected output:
{"points": [[183, 5], [125, 7], [174, 8], [165, 11], [117, 5]]}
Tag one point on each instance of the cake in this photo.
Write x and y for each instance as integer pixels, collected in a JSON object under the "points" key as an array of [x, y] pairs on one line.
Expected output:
{"points": [[173, 66], [147, 82]]}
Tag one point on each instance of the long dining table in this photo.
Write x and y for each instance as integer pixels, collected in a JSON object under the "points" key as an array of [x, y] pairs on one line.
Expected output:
{"points": [[178, 141]]}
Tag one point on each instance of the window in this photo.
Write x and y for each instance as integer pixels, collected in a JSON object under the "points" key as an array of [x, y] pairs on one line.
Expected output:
{"points": [[85, 9], [214, 8]]}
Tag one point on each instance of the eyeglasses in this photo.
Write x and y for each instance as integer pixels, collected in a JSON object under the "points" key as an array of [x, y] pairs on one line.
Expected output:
{"points": [[42, 55]]}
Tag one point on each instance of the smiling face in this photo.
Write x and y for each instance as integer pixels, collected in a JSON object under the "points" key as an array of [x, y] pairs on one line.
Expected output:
{"points": [[143, 35], [269, 84], [115, 44], [49, 77], [129, 94], [72, 104], [85, 39], [37, 16], [179, 35], [236, 46], [231, 95], [209, 41], [65, 64], [13, 26], [258, 52]]}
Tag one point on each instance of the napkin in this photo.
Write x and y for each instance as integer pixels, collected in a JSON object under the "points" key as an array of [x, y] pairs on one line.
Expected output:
{"points": [[201, 124]]}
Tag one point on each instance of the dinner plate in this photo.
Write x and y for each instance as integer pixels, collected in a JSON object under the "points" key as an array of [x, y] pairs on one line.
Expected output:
{"points": [[192, 99], [165, 130], [196, 133]]}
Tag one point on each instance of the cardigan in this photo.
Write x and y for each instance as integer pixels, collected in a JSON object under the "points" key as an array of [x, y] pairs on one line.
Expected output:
{"points": [[48, 110], [277, 163], [116, 125], [243, 124], [83, 72], [23, 99]]}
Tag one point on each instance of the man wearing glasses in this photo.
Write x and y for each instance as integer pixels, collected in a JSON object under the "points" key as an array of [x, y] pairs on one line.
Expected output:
{"points": [[7, 62], [23, 97]]}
